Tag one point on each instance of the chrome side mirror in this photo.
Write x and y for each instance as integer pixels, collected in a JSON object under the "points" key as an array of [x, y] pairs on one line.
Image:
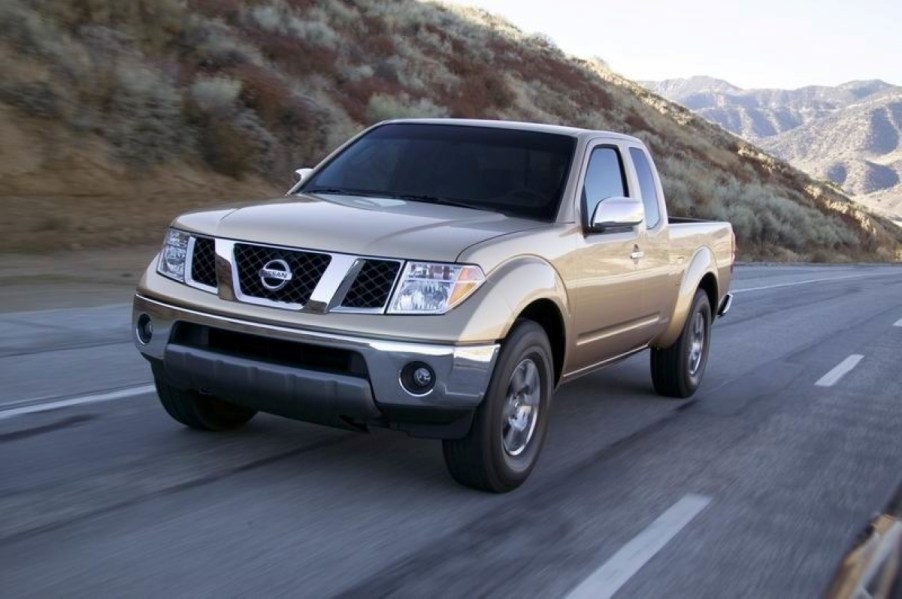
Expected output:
{"points": [[617, 212]]}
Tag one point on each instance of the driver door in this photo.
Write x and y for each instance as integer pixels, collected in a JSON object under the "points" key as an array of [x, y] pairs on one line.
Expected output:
{"points": [[609, 319]]}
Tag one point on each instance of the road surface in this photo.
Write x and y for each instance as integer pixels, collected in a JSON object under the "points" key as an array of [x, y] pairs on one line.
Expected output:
{"points": [[754, 489]]}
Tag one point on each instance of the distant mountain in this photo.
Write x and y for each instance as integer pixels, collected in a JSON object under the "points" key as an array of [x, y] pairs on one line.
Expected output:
{"points": [[693, 86], [850, 134]]}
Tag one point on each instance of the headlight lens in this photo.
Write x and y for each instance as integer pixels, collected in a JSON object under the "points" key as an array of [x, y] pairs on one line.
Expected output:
{"points": [[434, 288], [174, 255]]}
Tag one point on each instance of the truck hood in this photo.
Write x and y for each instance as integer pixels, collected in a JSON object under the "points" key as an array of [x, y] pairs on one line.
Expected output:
{"points": [[369, 226]]}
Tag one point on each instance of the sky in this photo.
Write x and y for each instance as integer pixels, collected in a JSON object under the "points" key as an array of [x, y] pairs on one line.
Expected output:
{"points": [[753, 44]]}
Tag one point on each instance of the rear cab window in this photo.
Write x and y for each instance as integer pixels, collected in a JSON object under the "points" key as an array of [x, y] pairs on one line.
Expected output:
{"points": [[648, 189]]}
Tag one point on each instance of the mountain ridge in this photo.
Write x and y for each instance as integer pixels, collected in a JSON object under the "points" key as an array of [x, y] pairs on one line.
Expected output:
{"points": [[849, 134]]}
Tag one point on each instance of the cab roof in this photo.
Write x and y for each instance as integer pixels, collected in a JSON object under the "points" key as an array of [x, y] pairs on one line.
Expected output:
{"points": [[522, 126]]}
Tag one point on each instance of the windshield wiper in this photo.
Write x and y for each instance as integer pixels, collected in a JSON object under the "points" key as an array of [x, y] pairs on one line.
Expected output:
{"points": [[342, 191], [423, 197], [413, 197]]}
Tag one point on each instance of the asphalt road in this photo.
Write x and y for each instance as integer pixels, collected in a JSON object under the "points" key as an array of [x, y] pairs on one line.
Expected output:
{"points": [[754, 489]]}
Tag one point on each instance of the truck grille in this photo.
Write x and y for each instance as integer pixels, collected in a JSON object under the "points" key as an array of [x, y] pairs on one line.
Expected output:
{"points": [[372, 285], [305, 268], [203, 262]]}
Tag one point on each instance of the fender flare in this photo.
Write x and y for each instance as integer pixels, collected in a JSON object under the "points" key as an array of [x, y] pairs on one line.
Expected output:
{"points": [[513, 286], [701, 264]]}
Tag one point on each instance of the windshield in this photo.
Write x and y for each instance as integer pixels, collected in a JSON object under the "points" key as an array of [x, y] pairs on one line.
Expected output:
{"points": [[521, 173]]}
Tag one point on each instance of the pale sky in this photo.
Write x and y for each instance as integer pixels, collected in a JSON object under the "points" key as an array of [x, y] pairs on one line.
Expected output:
{"points": [[760, 43]]}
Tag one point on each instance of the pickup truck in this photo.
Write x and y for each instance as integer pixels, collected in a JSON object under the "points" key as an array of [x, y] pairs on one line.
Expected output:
{"points": [[440, 277]]}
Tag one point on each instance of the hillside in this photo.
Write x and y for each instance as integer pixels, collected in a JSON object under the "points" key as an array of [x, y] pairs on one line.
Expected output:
{"points": [[849, 134], [117, 115]]}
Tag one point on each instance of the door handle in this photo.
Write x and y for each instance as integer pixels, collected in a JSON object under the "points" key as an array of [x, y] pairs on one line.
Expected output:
{"points": [[637, 253]]}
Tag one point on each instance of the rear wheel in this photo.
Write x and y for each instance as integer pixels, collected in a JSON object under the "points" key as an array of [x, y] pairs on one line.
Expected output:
{"points": [[677, 371], [503, 444], [201, 412]]}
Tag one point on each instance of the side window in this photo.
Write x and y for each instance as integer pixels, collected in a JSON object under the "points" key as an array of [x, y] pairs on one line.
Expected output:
{"points": [[604, 179], [647, 187]]}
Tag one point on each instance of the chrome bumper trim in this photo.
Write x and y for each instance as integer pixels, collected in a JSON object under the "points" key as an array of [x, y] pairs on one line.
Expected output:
{"points": [[463, 371]]}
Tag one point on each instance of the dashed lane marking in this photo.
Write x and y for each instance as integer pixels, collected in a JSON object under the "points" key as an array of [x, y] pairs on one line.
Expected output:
{"points": [[43, 406], [809, 281], [839, 371], [617, 571]]}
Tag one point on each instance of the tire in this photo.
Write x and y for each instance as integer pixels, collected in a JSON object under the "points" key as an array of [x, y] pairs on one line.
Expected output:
{"points": [[677, 371], [201, 412], [509, 426]]}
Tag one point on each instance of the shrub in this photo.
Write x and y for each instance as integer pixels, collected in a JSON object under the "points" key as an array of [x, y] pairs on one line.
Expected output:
{"points": [[216, 94], [269, 17], [214, 45], [31, 33], [383, 108], [280, 18], [356, 73], [237, 144], [314, 32], [34, 99], [342, 12], [145, 120]]}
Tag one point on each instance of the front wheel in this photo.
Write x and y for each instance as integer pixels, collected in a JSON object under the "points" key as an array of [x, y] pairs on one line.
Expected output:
{"points": [[677, 371], [503, 444], [201, 412]]}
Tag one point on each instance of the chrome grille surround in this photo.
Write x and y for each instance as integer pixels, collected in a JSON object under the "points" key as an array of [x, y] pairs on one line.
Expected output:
{"points": [[320, 282], [303, 270], [200, 265], [200, 269], [372, 285]]}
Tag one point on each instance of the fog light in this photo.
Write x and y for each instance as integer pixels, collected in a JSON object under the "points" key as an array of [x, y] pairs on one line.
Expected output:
{"points": [[144, 329], [418, 378]]}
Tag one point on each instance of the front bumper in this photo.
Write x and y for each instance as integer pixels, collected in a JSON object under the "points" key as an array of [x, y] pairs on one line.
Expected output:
{"points": [[372, 395]]}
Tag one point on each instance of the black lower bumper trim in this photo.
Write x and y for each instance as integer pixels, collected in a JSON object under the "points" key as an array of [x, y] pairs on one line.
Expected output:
{"points": [[312, 396]]}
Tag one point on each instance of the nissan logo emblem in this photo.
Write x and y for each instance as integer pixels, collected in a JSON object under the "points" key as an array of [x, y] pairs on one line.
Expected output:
{"points": [[275, 274]]}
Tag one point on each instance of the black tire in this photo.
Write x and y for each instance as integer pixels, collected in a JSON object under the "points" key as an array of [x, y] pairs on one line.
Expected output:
{"points": [[201, 412], [674, 372], [483, 459]]}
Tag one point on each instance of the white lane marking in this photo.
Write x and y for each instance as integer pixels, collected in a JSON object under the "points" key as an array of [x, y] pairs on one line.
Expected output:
{"points": [[807, 282], [75, 401], [839, 371], [44, 313], [615, 572], [898, 323]]}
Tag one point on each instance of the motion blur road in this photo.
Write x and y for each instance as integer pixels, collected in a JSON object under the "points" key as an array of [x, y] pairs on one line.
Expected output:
{"points": [[755, 488]]}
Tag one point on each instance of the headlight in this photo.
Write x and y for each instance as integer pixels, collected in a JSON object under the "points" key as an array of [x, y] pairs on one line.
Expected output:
{"points": [[429, 288], [174, 255]]}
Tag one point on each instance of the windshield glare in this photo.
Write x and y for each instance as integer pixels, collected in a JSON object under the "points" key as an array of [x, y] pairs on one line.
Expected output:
{"points": [[521, 173]]}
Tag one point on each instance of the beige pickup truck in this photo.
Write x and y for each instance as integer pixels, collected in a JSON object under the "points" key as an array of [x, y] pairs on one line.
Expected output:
{"points": [[439, 277]]}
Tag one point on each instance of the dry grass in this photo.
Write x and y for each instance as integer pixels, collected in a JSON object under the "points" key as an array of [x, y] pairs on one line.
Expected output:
{"points": [[235, 93]]}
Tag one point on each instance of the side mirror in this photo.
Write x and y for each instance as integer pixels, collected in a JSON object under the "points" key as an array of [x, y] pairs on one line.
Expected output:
{"points": [[617, 212], [301, 174]]}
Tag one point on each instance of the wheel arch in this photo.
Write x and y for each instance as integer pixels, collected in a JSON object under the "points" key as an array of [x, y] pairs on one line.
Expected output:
{"points": [[529, 287], [547, 315], [701, 273]]}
